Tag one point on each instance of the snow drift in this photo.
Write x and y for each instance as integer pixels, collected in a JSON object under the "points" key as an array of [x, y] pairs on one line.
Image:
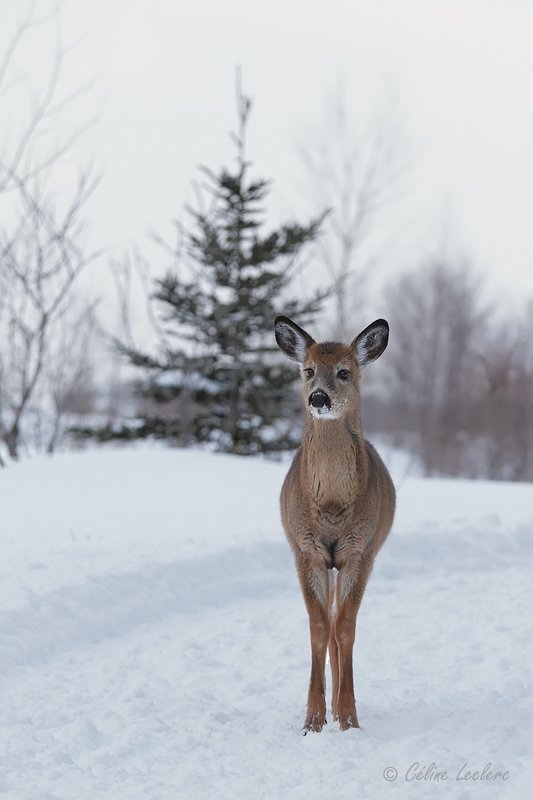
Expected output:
{"points": [[154, 643]]}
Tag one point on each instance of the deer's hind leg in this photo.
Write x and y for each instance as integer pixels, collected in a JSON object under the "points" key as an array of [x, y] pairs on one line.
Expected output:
{"points": [[351, 584], [314, 583], [332, 645]]}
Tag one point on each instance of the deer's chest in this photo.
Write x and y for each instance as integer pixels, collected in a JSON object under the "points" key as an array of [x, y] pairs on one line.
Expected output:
{"points": [[332, 480]]}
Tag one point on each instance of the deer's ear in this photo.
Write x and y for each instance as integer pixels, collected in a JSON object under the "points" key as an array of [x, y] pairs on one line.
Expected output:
{"points": [[292, 339], [371, 342]]}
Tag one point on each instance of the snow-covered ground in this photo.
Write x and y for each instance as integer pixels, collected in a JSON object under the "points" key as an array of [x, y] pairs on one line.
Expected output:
{"points": [[154, 643]]}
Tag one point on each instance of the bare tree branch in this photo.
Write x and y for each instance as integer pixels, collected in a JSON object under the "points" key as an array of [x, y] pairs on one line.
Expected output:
{"points": [[356, 175], [42, 254]]}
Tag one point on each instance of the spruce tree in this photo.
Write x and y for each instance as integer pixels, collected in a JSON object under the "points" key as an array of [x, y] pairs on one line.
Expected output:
{"points": [[223, 368]]}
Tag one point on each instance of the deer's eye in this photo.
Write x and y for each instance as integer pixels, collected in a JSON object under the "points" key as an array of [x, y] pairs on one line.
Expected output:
{"points": [[309, 373], [343, 374]]}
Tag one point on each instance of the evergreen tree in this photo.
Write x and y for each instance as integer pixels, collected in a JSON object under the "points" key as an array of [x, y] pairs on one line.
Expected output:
{"points": [[224, 370]]}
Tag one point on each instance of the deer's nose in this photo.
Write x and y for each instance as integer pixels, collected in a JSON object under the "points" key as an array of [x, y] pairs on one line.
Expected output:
{"points": [[319, 399]]}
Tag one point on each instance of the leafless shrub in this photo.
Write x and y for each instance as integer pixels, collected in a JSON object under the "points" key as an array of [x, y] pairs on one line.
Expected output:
{"points": [[39, 329], [44, 333], [504, 419], [460, 382]]}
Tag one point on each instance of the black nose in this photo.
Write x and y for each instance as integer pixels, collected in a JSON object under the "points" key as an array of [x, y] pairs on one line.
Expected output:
{"points": [[319, 399]]}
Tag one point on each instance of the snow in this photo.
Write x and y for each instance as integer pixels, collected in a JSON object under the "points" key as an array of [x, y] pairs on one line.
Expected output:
{"points": [[154, 642]]}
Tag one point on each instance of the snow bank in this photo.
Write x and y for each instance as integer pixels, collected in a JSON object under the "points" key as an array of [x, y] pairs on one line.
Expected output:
{"points": [[153, 640]]}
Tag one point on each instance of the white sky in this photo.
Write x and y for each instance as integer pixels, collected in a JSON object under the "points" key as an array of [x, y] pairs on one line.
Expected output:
{"points": [[461, 71]]}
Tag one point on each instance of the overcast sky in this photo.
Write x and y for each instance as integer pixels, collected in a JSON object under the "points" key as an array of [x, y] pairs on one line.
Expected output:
{"points": [[460, 73]]}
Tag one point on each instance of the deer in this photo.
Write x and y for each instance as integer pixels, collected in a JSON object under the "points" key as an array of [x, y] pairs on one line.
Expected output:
{"points": [[337, 506]]}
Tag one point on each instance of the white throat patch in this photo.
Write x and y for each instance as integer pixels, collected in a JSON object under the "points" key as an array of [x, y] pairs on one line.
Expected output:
{"points": [[320, 413]]}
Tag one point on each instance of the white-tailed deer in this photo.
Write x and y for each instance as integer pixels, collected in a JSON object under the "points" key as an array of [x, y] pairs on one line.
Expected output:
{"points": [[337, 506]]}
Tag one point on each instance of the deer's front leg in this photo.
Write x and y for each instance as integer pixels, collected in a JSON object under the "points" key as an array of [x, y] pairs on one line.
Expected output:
{"points": [[314, 583]]}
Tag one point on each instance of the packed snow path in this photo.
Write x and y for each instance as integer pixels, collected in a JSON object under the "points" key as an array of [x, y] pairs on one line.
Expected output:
{"points": [[154, 643]]}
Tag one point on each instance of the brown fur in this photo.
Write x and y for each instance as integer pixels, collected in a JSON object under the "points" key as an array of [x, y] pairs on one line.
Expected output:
{"points": [[337, 507]]}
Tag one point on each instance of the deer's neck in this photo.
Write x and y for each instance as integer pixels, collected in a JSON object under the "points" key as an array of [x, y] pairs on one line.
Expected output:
{"points": [[334, 461]]}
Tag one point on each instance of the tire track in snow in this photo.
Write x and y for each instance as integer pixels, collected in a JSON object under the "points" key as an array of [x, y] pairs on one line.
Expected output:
{"points": [[448, 548], [114, 603]]}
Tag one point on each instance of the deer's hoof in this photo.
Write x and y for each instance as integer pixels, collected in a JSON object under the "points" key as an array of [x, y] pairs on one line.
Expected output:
{"points": [[348, 721], [314, 723]]}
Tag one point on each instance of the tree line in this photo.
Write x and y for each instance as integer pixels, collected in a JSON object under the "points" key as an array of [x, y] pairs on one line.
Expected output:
{"points": [[460, 375]]}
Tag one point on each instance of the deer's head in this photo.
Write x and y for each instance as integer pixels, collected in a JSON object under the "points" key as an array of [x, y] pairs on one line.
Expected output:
{"points": [[331, 371]]}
